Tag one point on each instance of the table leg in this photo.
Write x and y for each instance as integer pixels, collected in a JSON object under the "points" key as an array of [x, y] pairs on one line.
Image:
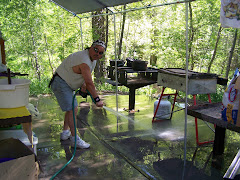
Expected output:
{"points": [[27, 128], [196, 123], [218, 146], [131, 98]]}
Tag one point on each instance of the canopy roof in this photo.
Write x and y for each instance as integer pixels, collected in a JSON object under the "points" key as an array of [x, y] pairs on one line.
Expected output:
{"points": [[83, 6]]}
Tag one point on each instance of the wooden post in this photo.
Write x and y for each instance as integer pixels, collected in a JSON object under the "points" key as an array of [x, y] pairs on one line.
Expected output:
{"points": [[131, 97], [2, 50], [218, 146]]}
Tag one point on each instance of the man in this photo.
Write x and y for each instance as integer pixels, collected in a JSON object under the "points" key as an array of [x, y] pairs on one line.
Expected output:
{"points": [[73, 73]]}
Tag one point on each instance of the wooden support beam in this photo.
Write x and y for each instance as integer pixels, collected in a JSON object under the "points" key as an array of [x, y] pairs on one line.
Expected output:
{"points": [[3, 51]]}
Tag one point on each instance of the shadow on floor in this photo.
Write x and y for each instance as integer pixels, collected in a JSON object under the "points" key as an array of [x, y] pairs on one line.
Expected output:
{"points": [[126, 146]]}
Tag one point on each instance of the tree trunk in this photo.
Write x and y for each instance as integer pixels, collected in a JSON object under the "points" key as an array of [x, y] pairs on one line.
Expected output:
{"points": [[99, 32], [36, 57], [126, 37], [49, 59], [191, 36], [215, 49], [36, 64], [154, 39], [153, 60], [231, 54], [2, 49], [153, 56], [63, 44], [107, 24], [122, 32], [236, 54]]}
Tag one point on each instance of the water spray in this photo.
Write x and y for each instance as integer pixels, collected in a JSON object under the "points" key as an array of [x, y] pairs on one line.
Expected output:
{"points": [[108, 109]]}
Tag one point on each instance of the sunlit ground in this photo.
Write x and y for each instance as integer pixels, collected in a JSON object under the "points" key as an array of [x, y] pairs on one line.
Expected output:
{"points": [[127, 145]]}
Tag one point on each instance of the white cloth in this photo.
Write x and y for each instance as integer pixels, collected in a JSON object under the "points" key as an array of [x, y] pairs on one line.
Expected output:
{"points": [[65, 70], [230, 13]]}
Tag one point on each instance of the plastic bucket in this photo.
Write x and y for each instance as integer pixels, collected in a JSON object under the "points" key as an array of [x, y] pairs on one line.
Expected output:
{"points": [[15, 94]]}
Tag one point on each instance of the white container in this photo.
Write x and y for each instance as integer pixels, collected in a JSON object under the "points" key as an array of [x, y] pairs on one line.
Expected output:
{"points": [[22, 136], [15, 94], [164, 109]]}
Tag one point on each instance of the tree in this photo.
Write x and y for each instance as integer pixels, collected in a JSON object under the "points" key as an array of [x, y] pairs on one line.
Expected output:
{"points": [[231, 53], [215, 50], [191, 38], [122, 32], [99, 32]]}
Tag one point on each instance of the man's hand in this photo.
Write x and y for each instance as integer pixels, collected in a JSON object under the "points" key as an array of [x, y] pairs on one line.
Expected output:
{"points": [[84, 88], [83, 91], [99, 103]]}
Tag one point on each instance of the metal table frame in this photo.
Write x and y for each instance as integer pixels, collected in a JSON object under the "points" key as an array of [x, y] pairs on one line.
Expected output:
{"points": [[144, 78], [173, 105]]}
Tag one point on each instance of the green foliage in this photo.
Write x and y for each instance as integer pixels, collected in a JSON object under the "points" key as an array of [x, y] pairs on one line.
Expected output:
{"points": [[215, 97], [39, 87], [147, 90], [39, 35], [106, 87]]}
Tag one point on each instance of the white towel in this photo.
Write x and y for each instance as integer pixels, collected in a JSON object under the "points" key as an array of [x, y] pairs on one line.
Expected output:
{"points": [[230, 13]]}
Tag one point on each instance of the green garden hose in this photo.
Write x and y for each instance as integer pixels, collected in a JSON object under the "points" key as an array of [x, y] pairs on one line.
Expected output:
{"points": [[75, 135], [105, 143]]}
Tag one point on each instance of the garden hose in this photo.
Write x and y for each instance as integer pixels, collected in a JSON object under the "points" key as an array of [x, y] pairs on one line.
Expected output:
{"points": [[91, 96], [107, 144], [75, 135]]}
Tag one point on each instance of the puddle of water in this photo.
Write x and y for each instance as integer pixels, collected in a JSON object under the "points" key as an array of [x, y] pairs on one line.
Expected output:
{"points": [[166, 133]]}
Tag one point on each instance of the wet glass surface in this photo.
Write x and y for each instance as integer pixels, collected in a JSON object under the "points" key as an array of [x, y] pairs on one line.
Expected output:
{"points": [[127, 145]]}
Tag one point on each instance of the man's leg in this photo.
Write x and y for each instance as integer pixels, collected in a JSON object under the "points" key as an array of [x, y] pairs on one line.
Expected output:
{"points": [[66, 125], [79, 142], [68, 122]]}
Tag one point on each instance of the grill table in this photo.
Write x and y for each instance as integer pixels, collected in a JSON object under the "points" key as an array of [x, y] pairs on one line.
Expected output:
{"points": [[132, 80], [198, 83]]}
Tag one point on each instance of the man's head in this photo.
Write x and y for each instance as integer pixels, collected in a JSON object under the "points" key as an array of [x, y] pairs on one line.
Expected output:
{"points": [[97, 49], [100, 43]]}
